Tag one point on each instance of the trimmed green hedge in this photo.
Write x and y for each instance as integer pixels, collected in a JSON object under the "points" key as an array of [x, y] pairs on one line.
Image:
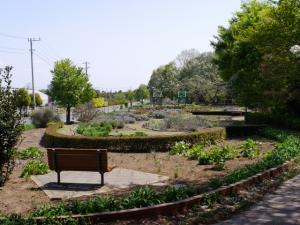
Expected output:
{"points": [[130, 144], [279, 120], [243, 130], [218, 113]]}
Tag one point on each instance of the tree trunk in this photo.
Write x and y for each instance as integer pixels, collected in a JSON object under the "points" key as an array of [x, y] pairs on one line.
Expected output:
{"points": [[68, 115]]}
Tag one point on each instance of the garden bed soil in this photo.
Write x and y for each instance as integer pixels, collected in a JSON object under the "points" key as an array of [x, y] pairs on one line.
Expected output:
{"points": [[20, 195], [129, 129]]}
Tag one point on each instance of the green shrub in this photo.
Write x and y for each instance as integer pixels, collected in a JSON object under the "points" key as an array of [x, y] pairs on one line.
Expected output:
{"points": [[141, 198], [30, 153], [180, 148], [131, 144], [34, 167], [101, 129], [218, 156], [195, 152], [40, 118], [249, 149]]}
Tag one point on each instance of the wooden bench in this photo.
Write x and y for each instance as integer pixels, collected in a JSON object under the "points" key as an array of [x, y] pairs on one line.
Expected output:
{"points": [[64, 159]]}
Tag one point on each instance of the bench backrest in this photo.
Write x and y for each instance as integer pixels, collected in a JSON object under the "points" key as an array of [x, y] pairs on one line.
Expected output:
{"points": [[64, 159]]}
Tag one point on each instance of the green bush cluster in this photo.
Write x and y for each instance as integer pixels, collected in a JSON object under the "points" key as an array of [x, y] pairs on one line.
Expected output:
{"points": [[287, 149], [34, 167], [101, 129], [274, 119], [218, 155], [249, 149], [28, 126], [30, 153], [180, 148], [131, 144]]}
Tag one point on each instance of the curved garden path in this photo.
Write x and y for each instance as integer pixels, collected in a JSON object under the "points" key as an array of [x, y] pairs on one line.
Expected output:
{"points": [[279, 208]]}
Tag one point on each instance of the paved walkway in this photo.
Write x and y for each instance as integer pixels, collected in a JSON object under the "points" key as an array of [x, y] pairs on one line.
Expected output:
{"points": [[279, 208], [76, 184]]}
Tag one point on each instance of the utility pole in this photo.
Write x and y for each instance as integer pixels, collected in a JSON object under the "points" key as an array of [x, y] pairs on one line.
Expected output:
{"points": [[32, 74], [86, 67]]}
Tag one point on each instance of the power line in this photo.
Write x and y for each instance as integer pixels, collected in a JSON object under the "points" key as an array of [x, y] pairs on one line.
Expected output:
{"points": [[48, 48], [45, 55], [18, 49], [12, 52], [12, 36], [42, 58]]}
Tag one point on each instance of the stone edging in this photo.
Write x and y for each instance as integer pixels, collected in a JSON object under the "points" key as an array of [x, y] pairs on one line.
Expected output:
{"points": [[179, 206]]}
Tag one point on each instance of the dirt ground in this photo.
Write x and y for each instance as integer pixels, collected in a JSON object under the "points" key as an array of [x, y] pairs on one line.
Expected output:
{"points": [[20, 195], [179, 168]]}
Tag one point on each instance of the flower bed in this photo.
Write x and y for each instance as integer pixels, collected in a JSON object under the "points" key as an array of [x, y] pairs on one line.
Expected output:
{"points": [[145, 202]]}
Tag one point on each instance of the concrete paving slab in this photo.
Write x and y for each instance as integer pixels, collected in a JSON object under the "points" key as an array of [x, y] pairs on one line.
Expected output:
{"points": [[76, 184]]}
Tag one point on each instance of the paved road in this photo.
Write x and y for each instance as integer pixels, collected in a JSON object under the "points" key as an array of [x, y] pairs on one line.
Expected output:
{"points": [[279, 208]]}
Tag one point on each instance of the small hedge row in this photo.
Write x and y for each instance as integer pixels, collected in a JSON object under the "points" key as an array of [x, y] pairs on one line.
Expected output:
{"points": [[218, 113], [279, 120], [52, 139], [243, 130]]}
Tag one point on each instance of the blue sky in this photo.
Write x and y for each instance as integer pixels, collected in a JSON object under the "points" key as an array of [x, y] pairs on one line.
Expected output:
{"points": [[124, 40]]}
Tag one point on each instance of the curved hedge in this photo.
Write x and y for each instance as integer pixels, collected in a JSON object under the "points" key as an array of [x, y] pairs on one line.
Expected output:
{"points": [[130, 144], [218, 113]]}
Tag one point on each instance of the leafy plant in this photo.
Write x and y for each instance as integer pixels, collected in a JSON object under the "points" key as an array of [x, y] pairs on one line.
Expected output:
{"points": [[249, 149], [30, 153], [95, 129], [219, 155], [141, 197], [180, 148], [195, 152], [34, 167]]}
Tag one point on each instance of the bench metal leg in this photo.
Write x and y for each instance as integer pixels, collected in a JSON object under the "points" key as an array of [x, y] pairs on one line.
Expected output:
{"points": [[58, 177], [102, 178]]}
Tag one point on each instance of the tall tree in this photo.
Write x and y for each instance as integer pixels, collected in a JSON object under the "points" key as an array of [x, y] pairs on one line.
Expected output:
{"points": [[70, 86], [253, 53], [142, 93], [38, 100], [130, 96], [164, 80], [200, 77], [23, 99]]}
